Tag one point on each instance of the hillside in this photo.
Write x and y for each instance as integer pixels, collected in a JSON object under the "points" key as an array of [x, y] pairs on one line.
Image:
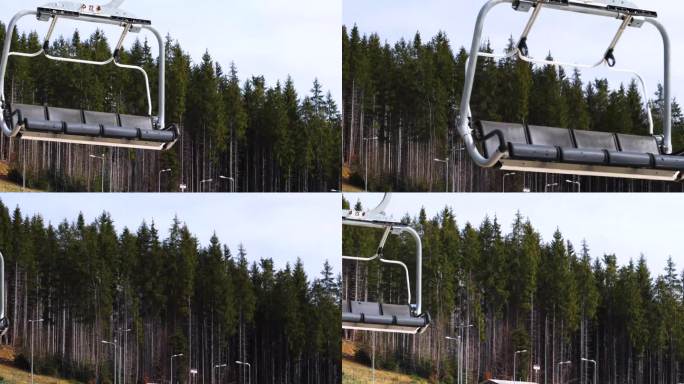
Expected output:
{"points": [[11, 375], [355, 373]]}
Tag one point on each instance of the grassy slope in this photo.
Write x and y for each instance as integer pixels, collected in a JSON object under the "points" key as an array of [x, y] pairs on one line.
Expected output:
{"points": [[354, 373], [6, 185], [12, 375]]}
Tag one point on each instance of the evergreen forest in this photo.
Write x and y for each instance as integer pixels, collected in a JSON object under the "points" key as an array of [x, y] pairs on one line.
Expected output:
{"points": [[236, 135], [401, 105], [506, 290], [157, 293]]}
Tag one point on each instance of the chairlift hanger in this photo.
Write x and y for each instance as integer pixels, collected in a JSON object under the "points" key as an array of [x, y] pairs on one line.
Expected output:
{"points": [[383, 317], [512, 146], [45, 123]]}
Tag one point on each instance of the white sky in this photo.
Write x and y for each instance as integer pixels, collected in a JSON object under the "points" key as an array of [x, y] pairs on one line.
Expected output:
{"points": [[624, 224], [278, 226], [570, 37], [273, 38]]}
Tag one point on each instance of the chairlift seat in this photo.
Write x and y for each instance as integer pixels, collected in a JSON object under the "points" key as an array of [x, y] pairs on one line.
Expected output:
{"points": [[574, 151], [381, 317], [45, 123]]}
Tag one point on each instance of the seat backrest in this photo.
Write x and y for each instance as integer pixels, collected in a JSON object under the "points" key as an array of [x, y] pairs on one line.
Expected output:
{"points": [[345, 306], [556, 137], [65, 115], [594, 140], [31, 112], [638, 144], [512, 133], [396, 310], [130, 121], [101, 118], [367, 308]]}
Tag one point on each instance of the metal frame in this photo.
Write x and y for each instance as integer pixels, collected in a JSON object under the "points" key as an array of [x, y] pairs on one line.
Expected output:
{"points": [[376, 218], [105, 14], [4, 322], [628, 19]]}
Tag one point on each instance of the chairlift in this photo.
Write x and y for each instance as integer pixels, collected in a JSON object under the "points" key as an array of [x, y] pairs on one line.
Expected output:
{"points": [[530, 148], [78, 126], [383, 317]]}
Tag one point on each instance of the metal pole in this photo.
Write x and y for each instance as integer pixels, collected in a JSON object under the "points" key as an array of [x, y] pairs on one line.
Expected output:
{"points": [[503, 180], [595, 368], [560, 369], [514, 361], [172, 356]]}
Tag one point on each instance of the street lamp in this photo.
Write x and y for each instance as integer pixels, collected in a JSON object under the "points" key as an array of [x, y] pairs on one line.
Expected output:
{"points": [[595, 368], [112, 343], [458, 354], [159, 178], [103, 167], [193, 372], [503, 180], [249, 369], [123, 369], [172, 356], [536, 368], [218, 366], [462, 366], [446, 166], [232, 182], [546, 188], [32, 322], [514, 356], [577, 183], [365, 161], [204, 182], [560, 368]]}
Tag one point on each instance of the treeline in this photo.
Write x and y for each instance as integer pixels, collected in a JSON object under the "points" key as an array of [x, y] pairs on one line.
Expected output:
{"points": [[266, 138], [160, 296], [407, 96], [519, 292]]}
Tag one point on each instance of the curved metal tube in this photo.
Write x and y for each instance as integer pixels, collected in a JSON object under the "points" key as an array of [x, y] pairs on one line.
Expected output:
{"points": [[419, 268], [2, 286], [162, 75], [667, 78], [147, 82], [408, 279]]}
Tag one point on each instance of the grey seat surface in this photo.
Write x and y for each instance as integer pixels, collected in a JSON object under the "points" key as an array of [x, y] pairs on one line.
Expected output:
{"points": [[140, 122], [380, 314], [512, 133]]}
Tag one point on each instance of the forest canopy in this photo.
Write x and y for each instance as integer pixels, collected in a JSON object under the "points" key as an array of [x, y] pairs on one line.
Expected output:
{"points": [[92, 281]]}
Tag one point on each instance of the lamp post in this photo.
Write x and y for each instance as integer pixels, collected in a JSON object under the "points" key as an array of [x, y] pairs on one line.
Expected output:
{"points": [[249, 370], [102, 158], [32, 322], [159, 178], [536, 368], [365, 161], [560, 369], [172, 356], [458, 355], [503, 180], [577, 183], [218, 366], [123, 364], [462, 378], [112, 343], [446, 167], [552, 185], [193, 372], [231, 180], [594, 381], [204, 182], [514, 357]]}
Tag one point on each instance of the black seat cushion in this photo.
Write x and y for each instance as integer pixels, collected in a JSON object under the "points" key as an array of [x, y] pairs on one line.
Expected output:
{"points": [[65, 115], [533, 152], [512, 133], [120, 132], [101, 118], [583, 156], [83, 129], [669, 162], [351, 317], [594, 140], [157, 135], [44, 126], [550, 136], [141, 122], [638, 144], [630, 159]]}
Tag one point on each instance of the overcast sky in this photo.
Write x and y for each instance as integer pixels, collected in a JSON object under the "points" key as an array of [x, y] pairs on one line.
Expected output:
{"points": [[273, 38], [278, 226], [624, 224], [570, 37]]}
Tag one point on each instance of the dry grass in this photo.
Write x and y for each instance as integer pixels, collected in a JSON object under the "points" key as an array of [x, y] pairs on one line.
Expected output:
{"points": [[5, 184], [354, 373], [11, 375]]}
